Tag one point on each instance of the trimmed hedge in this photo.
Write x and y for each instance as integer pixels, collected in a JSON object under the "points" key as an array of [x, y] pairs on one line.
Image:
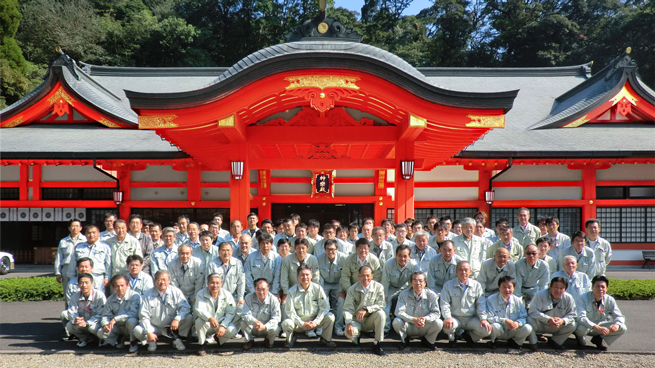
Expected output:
{"points": [[632, 289], [47, 288], [21, 289]]}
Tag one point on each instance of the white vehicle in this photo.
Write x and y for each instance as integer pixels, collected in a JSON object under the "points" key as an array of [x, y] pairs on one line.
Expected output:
{"points": [[6, 263]]}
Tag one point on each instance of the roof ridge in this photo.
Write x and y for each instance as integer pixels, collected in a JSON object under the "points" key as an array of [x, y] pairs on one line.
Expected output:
{"points": [[572, 70], [129, 71]]}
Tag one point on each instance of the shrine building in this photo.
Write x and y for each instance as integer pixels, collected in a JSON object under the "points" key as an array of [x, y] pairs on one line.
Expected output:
{"points": [[329, 128]]}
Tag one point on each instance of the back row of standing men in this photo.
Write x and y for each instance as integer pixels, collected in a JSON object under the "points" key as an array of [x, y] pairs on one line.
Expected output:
{"points": [[190, 255]]}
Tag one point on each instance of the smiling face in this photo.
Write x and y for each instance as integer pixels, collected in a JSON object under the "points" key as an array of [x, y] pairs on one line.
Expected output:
{"points": [[162, 282], [365, 276], [184, 253], [120, 287], [447, 251], [506, 289], [402, 257], [193, 231], [121, 230], [501, 257], [463, 271], [599, 289], [261, 289], [557, 289], [531, 254], [305, 278], [206, 243], [225, 253], [418, 283], [593, 230], [75, 228], [92, 235], [523, 217]]}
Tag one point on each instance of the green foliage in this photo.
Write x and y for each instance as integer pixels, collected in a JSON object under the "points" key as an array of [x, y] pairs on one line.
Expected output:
{"points": [[22, 289], [632, 289]]}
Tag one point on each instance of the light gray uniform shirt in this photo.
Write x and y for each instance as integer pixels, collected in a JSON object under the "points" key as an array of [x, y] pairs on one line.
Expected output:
{"points": [[142, 283], [306, 305], [65, 251], [410, 305], [543, 307], [88, 308], [602, 254], [490, 274], [161, 311], [205, 256], [330, 271], [498, 309], [591, 314], [423, 258], [440, 271], [350, 271], [472, 250], [120, 250], [121, 309], [257, 266], [189, 281], [289, 270], [586, 260], [395, 279], [579, 284], [370, 299], [343, 247], [223, 308], [267, 312], [526, 236], [384, 252], [161, 258], [73, 286], [457, 302], [234, 279], [99, 253], [531, 279]]}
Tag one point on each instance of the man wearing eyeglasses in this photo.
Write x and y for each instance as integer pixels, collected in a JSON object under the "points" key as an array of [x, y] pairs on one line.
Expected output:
{"points": [[532, 274], [330, 264]]}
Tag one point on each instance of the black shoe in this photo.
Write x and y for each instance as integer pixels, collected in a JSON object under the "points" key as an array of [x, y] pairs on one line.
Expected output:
{"points": [[329, 344], [600, 344], [356, 340], [377, 350], [452, 343], [202, 351], [469, 339], [532, 347], [542, 338], [426, 344], [555, 345], [513, 345], [290, 344], [403, 344], [491, 345], [580, 344]]}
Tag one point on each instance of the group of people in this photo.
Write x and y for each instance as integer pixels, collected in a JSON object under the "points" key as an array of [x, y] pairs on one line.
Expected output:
{"points": [[136, 281]]}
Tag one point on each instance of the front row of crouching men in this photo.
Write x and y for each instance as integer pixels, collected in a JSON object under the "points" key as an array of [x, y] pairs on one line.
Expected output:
{"points": [[461, 310]]}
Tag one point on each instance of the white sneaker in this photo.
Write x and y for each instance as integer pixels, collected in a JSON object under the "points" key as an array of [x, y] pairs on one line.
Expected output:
{"points": [[339, 332], [178, 344], [85, 342], [319, 331], [311, 333], [152, 346], [210, 340], [283, 335], [238, 336]]}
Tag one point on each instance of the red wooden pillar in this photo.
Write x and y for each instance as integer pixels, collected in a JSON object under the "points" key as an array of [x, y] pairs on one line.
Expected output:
{"points": [[36, 183], [240, 189], [484, 175], [588, 193], [193, 185], [264, 192], [125, 177], [404, 188], [23, 190]]}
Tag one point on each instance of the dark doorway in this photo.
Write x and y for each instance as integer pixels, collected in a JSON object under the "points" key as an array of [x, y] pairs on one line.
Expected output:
{"points": [[324, 212]]}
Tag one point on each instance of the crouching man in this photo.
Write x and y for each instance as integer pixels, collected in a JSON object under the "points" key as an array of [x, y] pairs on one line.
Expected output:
{"points": [[307, 308], [164, 312], [84, 311], [215, 311], [418, 314], [363, 310], [553, 311], [261, 315], [599, 316], [507, 315], [120, 315]]}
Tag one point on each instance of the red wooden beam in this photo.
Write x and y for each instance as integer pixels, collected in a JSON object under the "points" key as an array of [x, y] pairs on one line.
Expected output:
{"points": [[447, 204], [309, 164], [60, 203], [341, 135], [9, 184], [524, 184], [625, 183], [441, 184], [178, 204], [78, 184], [541, 203], [633, 246], [149, 184], [304, 198]]}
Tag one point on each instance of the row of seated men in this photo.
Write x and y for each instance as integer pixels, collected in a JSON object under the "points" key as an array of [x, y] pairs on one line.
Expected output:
{"points": [[339, 273]]}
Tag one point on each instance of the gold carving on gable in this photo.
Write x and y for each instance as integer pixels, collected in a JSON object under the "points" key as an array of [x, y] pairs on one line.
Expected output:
{"points": [[157, 122], [577, 122], [60, 96], [108, 123], [417, 121], [624, 93], [19, 120], [322, 81], [486, 121], [310, 117], [227, 121]]}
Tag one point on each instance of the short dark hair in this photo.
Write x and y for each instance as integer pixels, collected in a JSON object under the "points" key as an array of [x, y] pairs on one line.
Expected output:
{"points": [[364, 267], [217, 214], [313, 223], [328, 226], [578, 234], [417, 273], [400, 225], [386, 221], [506, 279], [261, 279], [224, 243], [295, 216], [331, 242], [136, 216], [133, 257], [109, 214], [559, 279], [501, 221], [206, 233], [304, 267], [543, 239], [118, 277], [88, 227], [403, 247], [182, 217], [264, 238], [83, 259], [361, 241], [352, 225], [299, 241], [550, 220], [282, 241], [251, 214], [84, 276], [446, 218], [301, 225], [590, 222], [70, 222], [600, 278], [265, 221]]}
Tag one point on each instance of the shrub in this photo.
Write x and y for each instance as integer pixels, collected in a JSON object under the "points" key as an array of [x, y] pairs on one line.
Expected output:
{"points": [[22, 289], [632, 289]]}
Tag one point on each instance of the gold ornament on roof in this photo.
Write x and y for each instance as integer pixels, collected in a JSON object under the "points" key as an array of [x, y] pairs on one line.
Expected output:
{"points": [[157, 122], [19, 120], [226, 121], [417, 121], [107, 123], [322, 28], [61, 96], [576, 123], [322, 81], [486, 121]]}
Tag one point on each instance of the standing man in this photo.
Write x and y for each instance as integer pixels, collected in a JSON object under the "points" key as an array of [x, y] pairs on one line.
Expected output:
{"points": [[155, 235], [440, 236], [552, 311], [252, 228], [417, 314], [380, 247], [508, 316], [233, 279], [109, 220], [206, 252], [470, 247], [525, 232], [599, 316], [98, 251], [532, 274], [193, 230], [421, 253], [292, 263], [306, 309], [494, 269], [120, 315], [136, 224], [139, 281], [235, 235], [244, 248], [396, 277], [289, 231], [164, 312], [558, 241], [163, 256], [543, 244], [364, 309], [352, 264], [85, 310], [264, 264], [400, 236], [329, 233], [507, 241], [583, 254], [463, 305], [215, 311], [261, 314], [601, 247], [442, 268], [122, 245], [65, 250], [182, 236], [220, 233], [330, 264], [186, 273]]}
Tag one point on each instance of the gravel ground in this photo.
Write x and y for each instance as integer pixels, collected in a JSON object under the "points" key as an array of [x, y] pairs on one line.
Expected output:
{"points": [[341, 359]]}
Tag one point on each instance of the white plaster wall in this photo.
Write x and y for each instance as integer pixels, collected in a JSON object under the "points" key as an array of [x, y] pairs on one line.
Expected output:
{"points": [[215, 194], [159, 194], [627, 255], [445, 194], [72, 173], [446, 173], [627, 172], [538, 193], [291, 173], [540, 173], [215, 176], [350, 190], [10, 173], [159, 174], [291, 188]]}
